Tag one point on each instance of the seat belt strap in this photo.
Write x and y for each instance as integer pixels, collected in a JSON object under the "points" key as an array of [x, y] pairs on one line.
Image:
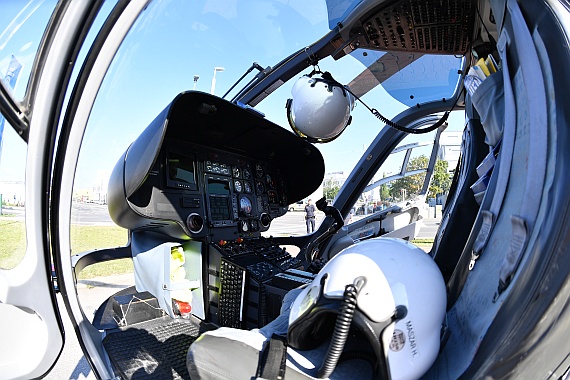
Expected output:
{"points": [[482, 237], [273, 359], [536, 165], [535, 127], [502, 172]]}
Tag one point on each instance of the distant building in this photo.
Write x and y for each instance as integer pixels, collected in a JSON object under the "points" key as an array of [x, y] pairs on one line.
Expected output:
{"points": [[450, 148], [97, 193], [99, 189], [13, 192], [335, 178]]}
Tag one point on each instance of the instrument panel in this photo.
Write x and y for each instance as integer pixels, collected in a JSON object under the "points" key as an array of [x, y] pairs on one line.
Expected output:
{"points": [[206, 168], [235, 194], [219, 192]]}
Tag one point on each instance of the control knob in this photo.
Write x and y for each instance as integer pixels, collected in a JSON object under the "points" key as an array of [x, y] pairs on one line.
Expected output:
{"points": [[265, 220], [195, 223]]}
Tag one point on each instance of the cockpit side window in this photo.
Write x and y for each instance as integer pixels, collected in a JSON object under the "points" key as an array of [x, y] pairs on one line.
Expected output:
{"points": [[22, 25], [402, 176], [12, 197], [411, 184]]}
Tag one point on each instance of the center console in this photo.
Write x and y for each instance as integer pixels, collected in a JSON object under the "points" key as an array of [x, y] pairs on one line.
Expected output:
{"points": [[253, 277]]}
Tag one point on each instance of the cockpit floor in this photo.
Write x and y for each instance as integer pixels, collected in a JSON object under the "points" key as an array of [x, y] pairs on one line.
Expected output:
{"points": [[154, 349]]}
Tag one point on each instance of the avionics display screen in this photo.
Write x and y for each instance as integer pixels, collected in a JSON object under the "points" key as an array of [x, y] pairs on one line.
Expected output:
{"points": [[181, 171], [218, 186], [219, 208], [219, 196], [245, 206]]}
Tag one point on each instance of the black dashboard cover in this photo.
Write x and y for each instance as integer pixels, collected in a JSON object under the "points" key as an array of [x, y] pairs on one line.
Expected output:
{"points": [[209, 121]]}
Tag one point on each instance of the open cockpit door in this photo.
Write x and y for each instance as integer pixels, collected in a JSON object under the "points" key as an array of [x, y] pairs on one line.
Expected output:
{"points": [[30, 327], [40, 42]]}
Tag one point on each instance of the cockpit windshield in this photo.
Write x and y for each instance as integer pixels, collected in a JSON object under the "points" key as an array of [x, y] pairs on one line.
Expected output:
{"points": [[174, 47], [219, 47]]}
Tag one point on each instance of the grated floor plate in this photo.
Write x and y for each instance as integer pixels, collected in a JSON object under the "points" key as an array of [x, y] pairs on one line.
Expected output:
{"points": [[152, 350]]}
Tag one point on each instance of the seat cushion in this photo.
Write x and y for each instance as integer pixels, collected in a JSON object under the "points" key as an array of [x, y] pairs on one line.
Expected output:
{"points": [[233, 354]]}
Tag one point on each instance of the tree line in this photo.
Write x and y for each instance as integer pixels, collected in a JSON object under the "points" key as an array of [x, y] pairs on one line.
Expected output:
{"points": [[410, 185]]}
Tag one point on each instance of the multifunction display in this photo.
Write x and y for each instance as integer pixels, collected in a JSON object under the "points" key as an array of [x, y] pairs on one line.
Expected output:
{"points": [[181, 170], [237, 192]]}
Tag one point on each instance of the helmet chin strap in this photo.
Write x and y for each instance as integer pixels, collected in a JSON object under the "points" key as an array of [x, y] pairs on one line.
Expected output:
{"points": [[327, 78]]}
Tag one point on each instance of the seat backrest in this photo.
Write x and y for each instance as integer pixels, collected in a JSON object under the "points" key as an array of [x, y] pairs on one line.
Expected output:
{"points": [[461, 208]]}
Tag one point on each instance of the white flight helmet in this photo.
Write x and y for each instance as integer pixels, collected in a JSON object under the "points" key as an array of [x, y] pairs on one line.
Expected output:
{"points": [[385, 291], [320, 108]]}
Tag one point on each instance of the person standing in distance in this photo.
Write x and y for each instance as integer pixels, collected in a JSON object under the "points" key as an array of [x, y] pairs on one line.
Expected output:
{"points": [[310, 216]]}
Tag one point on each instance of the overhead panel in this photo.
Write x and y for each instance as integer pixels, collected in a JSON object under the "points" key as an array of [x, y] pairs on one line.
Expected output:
{"points": [[433, 26]]}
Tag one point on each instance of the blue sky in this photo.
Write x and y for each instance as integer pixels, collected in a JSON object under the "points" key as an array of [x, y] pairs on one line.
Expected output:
{"points": [[174, 41], [19, 36]]}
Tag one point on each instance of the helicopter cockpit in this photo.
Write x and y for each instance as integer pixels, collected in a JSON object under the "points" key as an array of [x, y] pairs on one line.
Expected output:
{"points": [[451, 113], [198, 173]]}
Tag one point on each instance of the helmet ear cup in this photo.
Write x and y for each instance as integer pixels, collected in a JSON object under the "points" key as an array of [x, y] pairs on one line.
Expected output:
{"points": [[310, 332]]}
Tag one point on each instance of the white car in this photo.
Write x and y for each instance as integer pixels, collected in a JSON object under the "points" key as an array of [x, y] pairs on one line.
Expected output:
{"points": [[297, 206]]}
